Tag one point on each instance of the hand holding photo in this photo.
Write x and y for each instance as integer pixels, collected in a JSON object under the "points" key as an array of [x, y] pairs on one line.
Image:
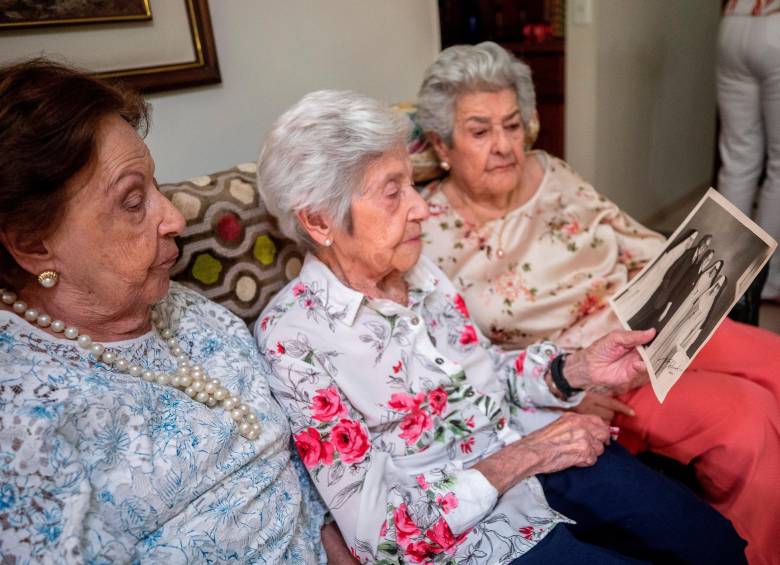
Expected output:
{"points": [[685, 293]]}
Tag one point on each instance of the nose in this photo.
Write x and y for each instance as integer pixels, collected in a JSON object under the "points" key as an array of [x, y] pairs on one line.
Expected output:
{"points": [[501, 144], [418, 207], [173, 222]]}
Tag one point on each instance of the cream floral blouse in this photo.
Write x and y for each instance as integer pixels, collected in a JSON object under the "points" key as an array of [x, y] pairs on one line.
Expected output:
{"points": [[563, 254], [391, 405]]}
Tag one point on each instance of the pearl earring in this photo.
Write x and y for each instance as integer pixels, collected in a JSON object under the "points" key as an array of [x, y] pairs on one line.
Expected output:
{"points": [[47, 279], [328, 242], [445, 165]]}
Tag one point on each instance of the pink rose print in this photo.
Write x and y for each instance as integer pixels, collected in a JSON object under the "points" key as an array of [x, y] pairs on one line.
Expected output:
{"points": [[396, 368], [326, 405], [527, 532], [572, 227], [383, 529], [466, 445], [413, 426], [437, 399], [421, 482], [298, 289], [405, 528], [460, 306], [401, 402], [280, 348], [441, 535], [468, 335], [264, 324], [308, 303], [519, 362], [350, 440], [447, 502], [312, 449], [421, 551]]}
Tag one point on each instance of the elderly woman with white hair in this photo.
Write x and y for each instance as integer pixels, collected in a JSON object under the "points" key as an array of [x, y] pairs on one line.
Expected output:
{"points": [[536, 253], [417, 432]]}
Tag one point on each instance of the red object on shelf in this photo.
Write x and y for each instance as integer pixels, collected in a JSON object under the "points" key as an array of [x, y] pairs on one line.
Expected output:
{"points": [[537, 32]]}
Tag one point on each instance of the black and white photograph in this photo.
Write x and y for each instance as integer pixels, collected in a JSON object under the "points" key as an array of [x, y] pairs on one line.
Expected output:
{"points": [[706, 266]]}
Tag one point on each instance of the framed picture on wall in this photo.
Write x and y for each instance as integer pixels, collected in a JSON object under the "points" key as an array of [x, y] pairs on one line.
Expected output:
{"points": [[24, 13], [175, 49]]}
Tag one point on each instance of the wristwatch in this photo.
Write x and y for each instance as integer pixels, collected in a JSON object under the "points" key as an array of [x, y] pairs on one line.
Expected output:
{"points": [[556, 370]]}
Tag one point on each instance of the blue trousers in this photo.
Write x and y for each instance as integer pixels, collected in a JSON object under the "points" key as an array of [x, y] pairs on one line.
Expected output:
{"points": [[629, 512]]}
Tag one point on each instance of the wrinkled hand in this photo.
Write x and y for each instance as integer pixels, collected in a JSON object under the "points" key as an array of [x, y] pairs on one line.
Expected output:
{"points": [[603, 406], [612, 362], [573, 440]]}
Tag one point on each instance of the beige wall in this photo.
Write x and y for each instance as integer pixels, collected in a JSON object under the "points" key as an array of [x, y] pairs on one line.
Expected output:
{"points": [[271, 53], [640, 100]]}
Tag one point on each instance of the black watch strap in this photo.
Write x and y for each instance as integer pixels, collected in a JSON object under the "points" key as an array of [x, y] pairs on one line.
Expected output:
{"points": [[556, 370]]}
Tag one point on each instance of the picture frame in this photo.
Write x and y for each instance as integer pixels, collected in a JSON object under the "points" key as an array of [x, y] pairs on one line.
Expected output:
{"points": [[21, 14], [203, 70], [174, 50]]}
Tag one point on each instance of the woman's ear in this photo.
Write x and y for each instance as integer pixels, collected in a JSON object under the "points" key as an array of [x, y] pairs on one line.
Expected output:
{"points": [[316, 225], [441, 148], [31, 255]]}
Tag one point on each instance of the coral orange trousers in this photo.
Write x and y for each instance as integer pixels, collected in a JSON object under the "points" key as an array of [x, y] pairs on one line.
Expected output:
{"points": [[723, 416]]}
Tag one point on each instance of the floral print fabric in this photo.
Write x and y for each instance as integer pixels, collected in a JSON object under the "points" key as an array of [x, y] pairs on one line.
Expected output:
{"points": [[565, 252], [390, 405], [101, 467]]}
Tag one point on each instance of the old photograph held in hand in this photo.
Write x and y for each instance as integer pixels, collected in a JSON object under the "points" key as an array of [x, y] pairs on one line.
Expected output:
{"points": [[685, 292]]}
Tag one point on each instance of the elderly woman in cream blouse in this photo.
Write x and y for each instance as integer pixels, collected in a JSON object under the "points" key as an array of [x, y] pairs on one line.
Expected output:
{"points": [[536, 252], [417, 432]]}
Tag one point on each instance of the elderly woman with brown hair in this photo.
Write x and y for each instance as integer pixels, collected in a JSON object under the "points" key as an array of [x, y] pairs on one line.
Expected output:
{"points": [[135, 423], [418, 433], [536, 252]]}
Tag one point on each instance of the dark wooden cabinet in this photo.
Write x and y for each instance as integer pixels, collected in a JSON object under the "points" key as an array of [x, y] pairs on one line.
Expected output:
{"points": [[502, 21]]}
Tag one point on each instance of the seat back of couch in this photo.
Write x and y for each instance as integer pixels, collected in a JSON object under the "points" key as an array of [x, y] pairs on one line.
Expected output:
{"points": [[231, 250]]}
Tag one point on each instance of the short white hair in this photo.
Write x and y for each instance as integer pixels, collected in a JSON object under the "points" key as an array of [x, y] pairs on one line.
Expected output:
{"points": [[471, 68], [317, 153]]}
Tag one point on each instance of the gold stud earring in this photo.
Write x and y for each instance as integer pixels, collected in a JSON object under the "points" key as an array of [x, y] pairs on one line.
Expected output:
{"points": [[47, 279], [445, 165]]}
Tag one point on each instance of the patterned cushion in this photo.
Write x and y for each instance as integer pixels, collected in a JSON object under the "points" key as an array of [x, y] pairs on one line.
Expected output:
{"points": [[231, 249], [425, 163]]}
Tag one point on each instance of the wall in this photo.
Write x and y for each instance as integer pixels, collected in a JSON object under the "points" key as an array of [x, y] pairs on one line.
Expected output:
{"points": [[271, 53], [640, 100]]}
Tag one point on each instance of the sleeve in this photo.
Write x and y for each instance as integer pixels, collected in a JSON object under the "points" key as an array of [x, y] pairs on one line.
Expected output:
{"points": [[44, 496], [523, 373], [637, 244], [381, 509]]}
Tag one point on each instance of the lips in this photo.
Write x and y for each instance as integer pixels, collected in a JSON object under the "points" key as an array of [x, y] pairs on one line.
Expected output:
{"points": [[502, 167], [170, 260]]}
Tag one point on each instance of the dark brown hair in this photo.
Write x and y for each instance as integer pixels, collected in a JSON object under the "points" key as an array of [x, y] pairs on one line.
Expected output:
{"points": [[49, 117]]}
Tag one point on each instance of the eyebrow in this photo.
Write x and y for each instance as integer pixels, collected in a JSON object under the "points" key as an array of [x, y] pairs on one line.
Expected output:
{"points": [[131, 173], [483, 120]]}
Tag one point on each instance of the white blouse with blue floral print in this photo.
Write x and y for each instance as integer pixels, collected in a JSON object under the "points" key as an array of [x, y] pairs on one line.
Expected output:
{"points": [[391, 405], [97, 466]]}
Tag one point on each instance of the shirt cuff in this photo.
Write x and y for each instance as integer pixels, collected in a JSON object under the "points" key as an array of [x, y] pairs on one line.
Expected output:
{"points": [[476, 498]]}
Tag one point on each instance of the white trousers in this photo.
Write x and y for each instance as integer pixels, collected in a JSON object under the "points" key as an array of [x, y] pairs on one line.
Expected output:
{"points": [[749, 105]]}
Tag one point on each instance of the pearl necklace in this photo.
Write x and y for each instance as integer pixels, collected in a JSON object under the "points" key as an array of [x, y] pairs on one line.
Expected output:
{"points": [[189, 377]]}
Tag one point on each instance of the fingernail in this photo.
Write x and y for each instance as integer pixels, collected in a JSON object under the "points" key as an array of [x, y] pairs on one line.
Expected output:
{"points": [[613, 432]]}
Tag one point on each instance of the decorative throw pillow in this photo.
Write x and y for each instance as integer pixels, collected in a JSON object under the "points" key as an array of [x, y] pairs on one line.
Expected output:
{"points": [[231, 250], [425, 163]]}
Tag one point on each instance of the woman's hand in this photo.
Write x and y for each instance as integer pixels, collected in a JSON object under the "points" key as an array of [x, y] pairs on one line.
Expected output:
{"points": [[603, 406], [612, 362], [573, 440], [335, 548]]}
